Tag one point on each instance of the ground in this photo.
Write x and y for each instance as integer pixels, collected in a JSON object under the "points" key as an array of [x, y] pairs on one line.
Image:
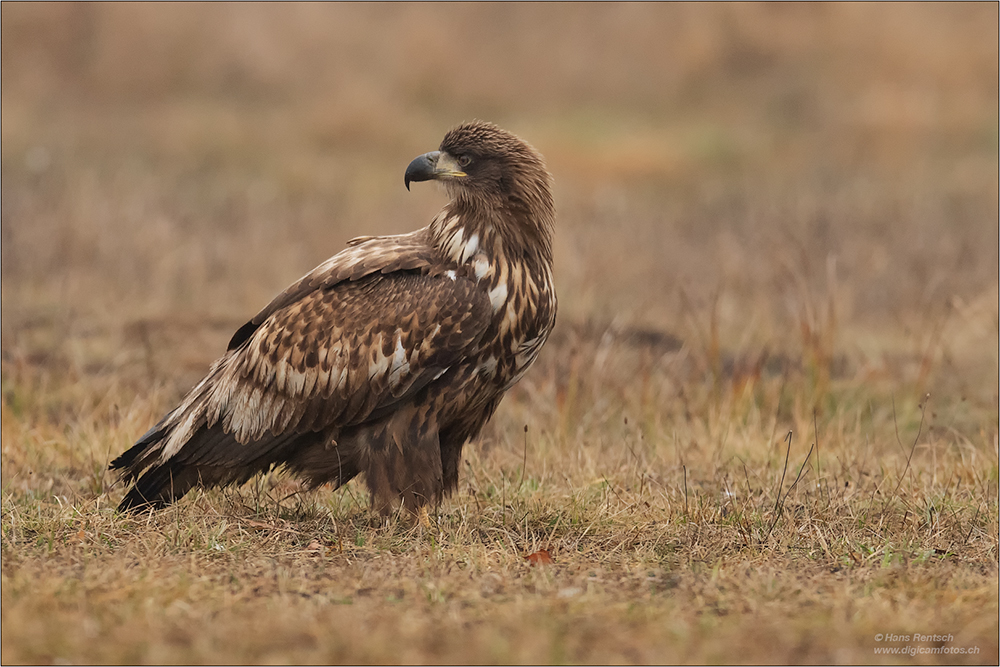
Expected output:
{"points": [[765, 428]]}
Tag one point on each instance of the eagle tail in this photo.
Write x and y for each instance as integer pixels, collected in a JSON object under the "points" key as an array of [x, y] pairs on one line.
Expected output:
{"points": [[211, 457], [156, 488], [399, 454], [148, 490]]}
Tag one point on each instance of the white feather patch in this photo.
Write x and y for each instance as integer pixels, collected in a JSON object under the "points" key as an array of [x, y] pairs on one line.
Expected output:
{"points": [[482, 267], [498, 296], [471, 246]]}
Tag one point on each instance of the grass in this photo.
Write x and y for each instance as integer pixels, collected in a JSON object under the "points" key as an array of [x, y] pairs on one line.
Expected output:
{"points": [[765, 429]]}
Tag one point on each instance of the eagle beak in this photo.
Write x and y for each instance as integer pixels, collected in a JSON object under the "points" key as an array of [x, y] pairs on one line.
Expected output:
{"points": [[433, 165]]}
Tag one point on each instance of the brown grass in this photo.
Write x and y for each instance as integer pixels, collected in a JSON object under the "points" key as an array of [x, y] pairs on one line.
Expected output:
{"points": [[765, 429]]}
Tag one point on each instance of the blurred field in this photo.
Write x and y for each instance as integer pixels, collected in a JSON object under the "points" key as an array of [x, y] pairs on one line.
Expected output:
{"points": [[772, 218]]}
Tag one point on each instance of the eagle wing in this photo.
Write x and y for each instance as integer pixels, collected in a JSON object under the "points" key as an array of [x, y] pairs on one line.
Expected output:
{"points": [[345, 345], [364, 255], [338, 355]]}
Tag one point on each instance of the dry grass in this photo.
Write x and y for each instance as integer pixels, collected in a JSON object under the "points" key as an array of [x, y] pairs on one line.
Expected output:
{"points": [[765, 430]]}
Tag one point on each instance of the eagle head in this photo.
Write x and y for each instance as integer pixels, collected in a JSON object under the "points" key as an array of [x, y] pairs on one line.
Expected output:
{"points": [[495, 180], [480, 160]]}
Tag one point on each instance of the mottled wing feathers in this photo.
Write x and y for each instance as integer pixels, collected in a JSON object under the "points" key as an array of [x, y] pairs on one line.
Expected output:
{"points": [[335, 359], [338, 354], [363, 256]]}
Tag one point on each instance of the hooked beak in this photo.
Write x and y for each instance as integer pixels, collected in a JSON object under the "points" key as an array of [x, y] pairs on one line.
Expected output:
{"points": [[433, 165]]}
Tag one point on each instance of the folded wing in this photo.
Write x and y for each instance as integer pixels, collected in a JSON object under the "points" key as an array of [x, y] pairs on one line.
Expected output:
{"points": [[344, 346]]}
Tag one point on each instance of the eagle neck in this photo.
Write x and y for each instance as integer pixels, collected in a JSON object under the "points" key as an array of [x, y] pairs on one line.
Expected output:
{"points": [[502, 233]]}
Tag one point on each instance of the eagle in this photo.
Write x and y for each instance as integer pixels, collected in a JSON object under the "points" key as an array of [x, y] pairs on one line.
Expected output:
{"points": [[386, 359]]}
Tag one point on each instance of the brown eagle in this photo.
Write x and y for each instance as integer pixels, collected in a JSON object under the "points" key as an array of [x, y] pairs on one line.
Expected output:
{"points": [[385, 359]]}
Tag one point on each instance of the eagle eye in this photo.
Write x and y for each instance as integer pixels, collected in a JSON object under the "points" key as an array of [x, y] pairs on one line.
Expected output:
{"points": [[464, 161]]}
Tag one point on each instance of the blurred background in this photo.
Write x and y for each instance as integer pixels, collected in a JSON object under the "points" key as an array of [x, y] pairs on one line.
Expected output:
{"points": [[786, 182]]}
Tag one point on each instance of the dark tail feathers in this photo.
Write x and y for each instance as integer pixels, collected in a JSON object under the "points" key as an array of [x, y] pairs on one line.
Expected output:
{"points": [[211, 457]]}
